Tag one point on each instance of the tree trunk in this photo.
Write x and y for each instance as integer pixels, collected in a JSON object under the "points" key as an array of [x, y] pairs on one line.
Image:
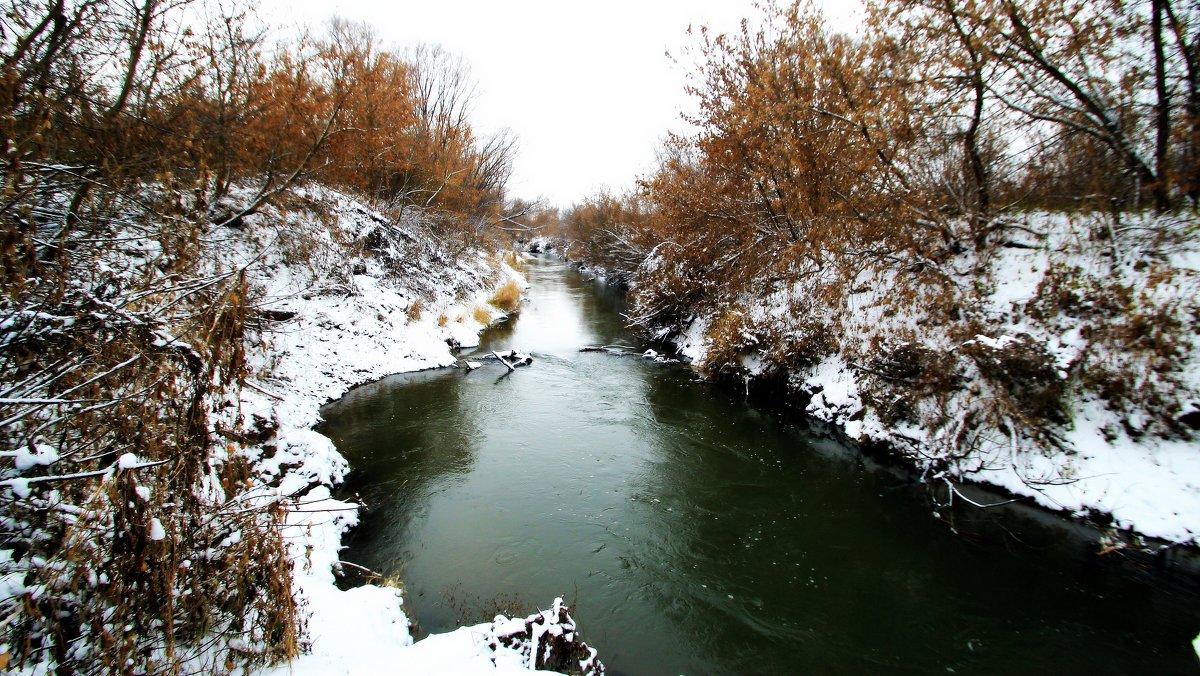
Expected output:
{"points": [[1160, 189], [979, 181], [145, 16]]}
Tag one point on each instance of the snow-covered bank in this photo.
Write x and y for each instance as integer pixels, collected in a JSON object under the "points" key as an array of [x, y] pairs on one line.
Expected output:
{"points": [[352, 297], [1069, 376]]}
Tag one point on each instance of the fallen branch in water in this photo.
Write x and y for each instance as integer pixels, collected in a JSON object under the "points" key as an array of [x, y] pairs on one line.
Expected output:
{"points": [[518, 359], [612, 349], [504, 361]]}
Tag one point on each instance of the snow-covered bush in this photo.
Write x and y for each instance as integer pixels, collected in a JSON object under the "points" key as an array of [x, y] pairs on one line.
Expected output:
{"points": [[1136, 326], [129, 540]]}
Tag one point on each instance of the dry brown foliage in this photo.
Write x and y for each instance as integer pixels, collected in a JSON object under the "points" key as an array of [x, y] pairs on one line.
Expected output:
{"points": [[880, 174], [481, 315], [507, 297], [133, 130]]}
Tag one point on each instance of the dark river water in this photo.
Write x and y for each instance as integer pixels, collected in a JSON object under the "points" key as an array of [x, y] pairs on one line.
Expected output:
{"points": [[693, 533]]}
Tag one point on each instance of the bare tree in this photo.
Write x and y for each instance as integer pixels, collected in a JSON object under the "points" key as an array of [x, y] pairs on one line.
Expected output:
{"points": [[1068, 64], [1183, 19]]}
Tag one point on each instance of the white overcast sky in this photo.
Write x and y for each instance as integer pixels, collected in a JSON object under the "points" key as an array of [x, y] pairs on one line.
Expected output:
{"points": [[586, 86]]}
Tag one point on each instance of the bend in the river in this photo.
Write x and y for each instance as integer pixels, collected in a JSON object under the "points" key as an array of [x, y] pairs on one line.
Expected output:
{"points": [[693, 533]]}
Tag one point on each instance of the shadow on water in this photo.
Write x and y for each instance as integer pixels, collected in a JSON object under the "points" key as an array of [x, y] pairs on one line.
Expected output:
{"points": [[698, 534], [426, 431]]}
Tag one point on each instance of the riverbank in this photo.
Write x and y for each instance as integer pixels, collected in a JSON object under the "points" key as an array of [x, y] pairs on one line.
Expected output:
{"points": [[1061, 368]]}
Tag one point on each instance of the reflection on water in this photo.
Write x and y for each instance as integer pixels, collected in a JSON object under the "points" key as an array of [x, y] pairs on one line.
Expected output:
{"points": [[696, 534]]}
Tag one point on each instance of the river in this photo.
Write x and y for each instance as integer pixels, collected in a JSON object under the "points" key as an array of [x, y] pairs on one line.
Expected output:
{"points": [[694, 533]]}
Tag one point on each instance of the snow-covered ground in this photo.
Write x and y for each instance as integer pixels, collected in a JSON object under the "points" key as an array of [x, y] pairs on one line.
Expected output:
{"points": [[346, 314], [1122, 309]]}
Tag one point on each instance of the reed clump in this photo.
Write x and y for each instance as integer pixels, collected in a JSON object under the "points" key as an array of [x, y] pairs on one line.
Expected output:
{"points": [[507, 297]]}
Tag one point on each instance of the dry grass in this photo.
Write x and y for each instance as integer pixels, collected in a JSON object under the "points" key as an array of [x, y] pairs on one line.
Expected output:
{"points": [[516, 261], [728, 338], [443, 320], [132, 528], [482, 315], [414, 311], [507, 297]]}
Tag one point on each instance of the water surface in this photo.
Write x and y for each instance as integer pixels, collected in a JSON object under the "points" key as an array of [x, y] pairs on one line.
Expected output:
{"points": [[694, 533]]}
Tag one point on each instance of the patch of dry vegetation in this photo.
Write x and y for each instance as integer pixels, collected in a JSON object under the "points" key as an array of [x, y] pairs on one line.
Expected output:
{"points": [[507, 298], [516, 261]]}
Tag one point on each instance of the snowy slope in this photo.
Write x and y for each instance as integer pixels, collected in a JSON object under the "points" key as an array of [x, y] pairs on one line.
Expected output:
{"points": [[1114, 318]]}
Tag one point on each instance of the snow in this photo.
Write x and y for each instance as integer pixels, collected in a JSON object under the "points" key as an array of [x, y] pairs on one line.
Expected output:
{"points": [[1149, 485], [157, 532], [838, 389], [463, 651], [19, 486], [691, 343], [995, 344], [128, 461], [43, 454]]}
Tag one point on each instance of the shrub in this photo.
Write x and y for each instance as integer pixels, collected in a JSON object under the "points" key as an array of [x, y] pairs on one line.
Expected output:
{"points": [[777, 343], [1026, 372], [669, 287], [905, 362], [728, 340], [898, 377], [1135, 341], [508, 297]]}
